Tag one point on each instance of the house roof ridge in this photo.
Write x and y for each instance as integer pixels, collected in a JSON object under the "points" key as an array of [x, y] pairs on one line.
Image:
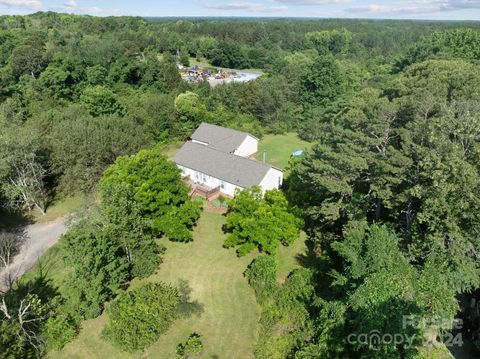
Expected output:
{"points": [[237, 170], [228, 128], [234, 155]]}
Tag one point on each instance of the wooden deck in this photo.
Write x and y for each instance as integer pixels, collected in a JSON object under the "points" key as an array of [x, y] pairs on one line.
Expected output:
{"points": [[197, 189]]}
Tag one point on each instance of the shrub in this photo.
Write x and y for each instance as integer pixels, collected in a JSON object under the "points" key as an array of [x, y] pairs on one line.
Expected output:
{"points": [[59, 331], [262, 276], [138, 317], [284, 322], [191, 348], [147, 259]]}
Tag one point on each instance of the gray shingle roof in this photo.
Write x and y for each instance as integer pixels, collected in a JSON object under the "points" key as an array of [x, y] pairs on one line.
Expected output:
{"points": [[233, 169], [221, 138]]}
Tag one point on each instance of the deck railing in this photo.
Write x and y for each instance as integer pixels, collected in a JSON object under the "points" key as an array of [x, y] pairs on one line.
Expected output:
{"points": [[200, 190], [205, 191]]}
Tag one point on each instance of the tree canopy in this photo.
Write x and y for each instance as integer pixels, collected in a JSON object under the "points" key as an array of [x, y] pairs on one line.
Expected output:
{"points": [[260, 221], [155, 185]]}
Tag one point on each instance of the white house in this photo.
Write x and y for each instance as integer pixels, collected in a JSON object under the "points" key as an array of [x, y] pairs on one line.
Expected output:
{"points": [[218, 158]]}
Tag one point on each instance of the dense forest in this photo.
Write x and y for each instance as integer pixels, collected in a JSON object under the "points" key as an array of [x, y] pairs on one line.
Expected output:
{"points": [[388, 196]]}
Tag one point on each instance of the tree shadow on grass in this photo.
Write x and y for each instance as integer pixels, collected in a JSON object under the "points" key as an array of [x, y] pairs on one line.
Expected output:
{"points": [[320, 265], [187, 307], [38, 285], [310, 258]]}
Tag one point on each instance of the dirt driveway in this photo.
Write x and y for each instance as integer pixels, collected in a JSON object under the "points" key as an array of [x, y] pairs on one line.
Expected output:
{"points": [[39, 238]]}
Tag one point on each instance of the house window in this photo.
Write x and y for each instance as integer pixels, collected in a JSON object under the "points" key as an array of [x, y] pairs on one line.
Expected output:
{"points": [[222, 185]]}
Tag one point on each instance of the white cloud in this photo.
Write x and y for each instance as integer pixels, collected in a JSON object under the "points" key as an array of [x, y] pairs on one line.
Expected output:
{"points": [[415, 7], [71, 4], [312, 2], [248, 6], [30, 4], [389, 10], [459, 4]]}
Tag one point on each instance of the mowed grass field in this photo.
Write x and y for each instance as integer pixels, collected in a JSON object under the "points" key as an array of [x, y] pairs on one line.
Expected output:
{"points": [[280, 147], [224, 310]]}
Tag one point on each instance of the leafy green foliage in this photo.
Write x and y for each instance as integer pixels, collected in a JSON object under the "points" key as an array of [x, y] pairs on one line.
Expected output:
{"points": [[27, 60], [324, 82], [59, 331], [334, 42], [123, 221], [190, 110], [22, 164], [230, 55], [260, 221], [99, 267], [12, 344], [137, 318], [394, 159], [24, 308], [378, 289], [262, 276], [100, 100], [284, 322], [192, 348], [154, 183], [449, 44], [83, 146]]}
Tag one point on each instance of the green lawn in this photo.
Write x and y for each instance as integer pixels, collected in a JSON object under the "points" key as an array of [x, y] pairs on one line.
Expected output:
{"points": [[280, 147], [287, 257], [227, 314], [62, 207]]}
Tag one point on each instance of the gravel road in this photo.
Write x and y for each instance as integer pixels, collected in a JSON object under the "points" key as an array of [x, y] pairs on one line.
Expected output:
{"points": [[39, 238]]}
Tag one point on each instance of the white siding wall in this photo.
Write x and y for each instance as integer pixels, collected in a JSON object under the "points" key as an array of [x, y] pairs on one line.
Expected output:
{"points": [[198, 177], [273, 179], [248, 147]]}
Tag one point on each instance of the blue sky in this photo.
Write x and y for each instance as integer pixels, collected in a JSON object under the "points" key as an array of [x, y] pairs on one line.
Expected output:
{"points": [[394, 9]]}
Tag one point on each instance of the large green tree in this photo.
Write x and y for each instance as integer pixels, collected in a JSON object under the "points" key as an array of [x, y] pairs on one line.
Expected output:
{"points": [[260, 221], [99, 267], [334, 42], [375, 289], [123, 221], [324, 82], [409, 160], [156, 187], [100, 100]]}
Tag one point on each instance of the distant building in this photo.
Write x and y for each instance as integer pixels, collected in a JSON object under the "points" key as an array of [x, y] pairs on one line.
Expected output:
{"points": [[217, 160]]}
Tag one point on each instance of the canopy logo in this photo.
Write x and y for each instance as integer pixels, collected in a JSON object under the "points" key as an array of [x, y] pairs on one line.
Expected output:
{"points": [[413, 334]]}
